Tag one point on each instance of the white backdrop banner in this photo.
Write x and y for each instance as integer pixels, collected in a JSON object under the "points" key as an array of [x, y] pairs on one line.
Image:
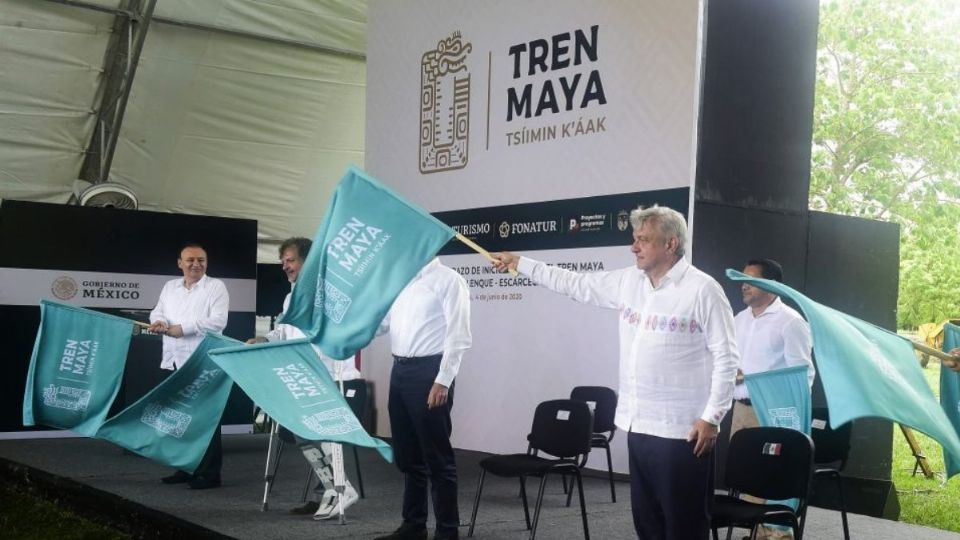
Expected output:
{"points": [[534, 127]]}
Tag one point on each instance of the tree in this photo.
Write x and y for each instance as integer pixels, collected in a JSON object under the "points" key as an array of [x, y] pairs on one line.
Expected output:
{"points": [[886, 141]]}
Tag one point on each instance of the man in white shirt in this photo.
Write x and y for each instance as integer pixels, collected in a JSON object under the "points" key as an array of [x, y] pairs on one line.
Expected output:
{"points": [[770, 335], [293, 251], [429, 325], [678, 361], [188, 308]]}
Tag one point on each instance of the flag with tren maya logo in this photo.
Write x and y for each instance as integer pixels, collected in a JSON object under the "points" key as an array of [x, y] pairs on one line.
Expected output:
{"points": [[370, 244], [75, 374], [868, 371], [287, 380], [76, 367]]}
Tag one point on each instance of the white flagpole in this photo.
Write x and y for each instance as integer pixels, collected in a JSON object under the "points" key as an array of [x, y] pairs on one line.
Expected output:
{"points": [[339, 477], [267, 476]]}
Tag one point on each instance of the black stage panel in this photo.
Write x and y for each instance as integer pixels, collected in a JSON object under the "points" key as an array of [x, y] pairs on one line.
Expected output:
{"points": [[106, 250], [759, 75], [751, 196]]}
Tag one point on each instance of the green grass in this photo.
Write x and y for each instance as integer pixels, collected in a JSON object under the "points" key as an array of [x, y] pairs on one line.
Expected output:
{"points": [[24, 516], [928, 502]]}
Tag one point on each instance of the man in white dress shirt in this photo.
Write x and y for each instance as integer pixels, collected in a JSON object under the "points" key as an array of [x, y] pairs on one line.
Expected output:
{"points": [[429, 325], [189, 307], [678, 362], [770, 335], [293, 251]]}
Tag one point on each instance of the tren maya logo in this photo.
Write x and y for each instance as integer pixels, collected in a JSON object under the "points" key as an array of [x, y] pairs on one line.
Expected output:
{"points": [[445, 106]]}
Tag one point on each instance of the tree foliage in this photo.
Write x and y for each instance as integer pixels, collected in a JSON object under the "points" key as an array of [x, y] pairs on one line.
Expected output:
{"points": [[886, 141]]}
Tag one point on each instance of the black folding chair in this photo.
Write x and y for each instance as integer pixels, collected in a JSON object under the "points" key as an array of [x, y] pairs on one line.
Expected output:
{"points": [[770, 463], [561, 428], [603, 402], [832, 447]]}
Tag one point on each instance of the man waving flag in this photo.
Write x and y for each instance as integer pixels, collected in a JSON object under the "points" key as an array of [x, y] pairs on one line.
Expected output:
{"points": [[868, 371]]}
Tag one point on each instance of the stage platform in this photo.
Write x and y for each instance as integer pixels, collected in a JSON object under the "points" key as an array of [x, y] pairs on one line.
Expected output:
{"points": [[126, 485]]}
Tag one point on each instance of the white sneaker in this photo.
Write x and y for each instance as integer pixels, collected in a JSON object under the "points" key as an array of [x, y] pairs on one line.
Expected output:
{"points": [[328, 503]]}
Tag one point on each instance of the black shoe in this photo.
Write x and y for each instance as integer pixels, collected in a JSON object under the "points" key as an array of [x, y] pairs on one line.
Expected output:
{"points": [[178, 477], [307, 509], [203, 482], [406, 532]]}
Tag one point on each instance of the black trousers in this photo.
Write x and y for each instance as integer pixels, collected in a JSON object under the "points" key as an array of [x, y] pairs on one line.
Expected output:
{"points": [[421, 443], [671, 489], [212, 461]]}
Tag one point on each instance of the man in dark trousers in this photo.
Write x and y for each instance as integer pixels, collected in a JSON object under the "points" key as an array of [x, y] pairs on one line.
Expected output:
{"points": [[188, 308], [429, 325]]}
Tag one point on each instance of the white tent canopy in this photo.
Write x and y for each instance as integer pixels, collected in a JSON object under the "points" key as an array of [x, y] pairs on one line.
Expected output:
{"points": [[239, 108]]}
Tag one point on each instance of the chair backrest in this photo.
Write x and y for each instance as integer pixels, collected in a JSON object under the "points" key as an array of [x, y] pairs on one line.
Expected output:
{"points": [[831, 445], [604, 402], [562, 428], [770, 462], [355, 392]]}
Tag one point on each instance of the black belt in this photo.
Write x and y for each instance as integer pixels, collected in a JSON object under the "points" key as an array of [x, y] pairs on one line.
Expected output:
{"points": [[402, 360], [745, 401]]}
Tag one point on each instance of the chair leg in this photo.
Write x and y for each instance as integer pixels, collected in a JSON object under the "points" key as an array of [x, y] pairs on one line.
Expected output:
{"points": [[563, 479], [306, 485], [570, 493], [714, 531], [276, 462], [843, 508], [730, 533], [523, 498], [356, 461], [476, 502], [613, 491], [583, 505], [536, 511]]}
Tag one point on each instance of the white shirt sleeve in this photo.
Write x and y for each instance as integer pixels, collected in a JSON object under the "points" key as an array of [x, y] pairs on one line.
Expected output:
{"points": [[722, 344], [797, 344], [158, 313], [214, 321], [455, 302], [596, 288], [384, 326], [278, 333]]}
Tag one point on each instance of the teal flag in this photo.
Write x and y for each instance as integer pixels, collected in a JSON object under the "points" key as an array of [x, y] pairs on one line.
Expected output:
{"points": [[950, 392], [781, 398], [76, 367], [370, 244], [867, 371], [288, 381], [174, 422], [75, 374]]}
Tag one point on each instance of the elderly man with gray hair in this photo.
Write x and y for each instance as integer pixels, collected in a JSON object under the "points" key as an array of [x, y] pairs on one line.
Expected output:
{"points": [[678, 364]]}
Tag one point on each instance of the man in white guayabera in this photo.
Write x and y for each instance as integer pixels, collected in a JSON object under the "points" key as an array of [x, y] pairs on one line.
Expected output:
{"points": [[189, 307], [678, 362]]}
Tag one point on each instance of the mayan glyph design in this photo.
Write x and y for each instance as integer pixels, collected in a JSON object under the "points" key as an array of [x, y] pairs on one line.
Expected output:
{"points": [[785, 417], [338, 421], [445, 106], [334, 302], [66, 397], [166, 420]]}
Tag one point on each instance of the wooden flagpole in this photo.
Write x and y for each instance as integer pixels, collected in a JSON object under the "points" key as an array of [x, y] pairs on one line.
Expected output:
{"points": [[473, 245]]}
